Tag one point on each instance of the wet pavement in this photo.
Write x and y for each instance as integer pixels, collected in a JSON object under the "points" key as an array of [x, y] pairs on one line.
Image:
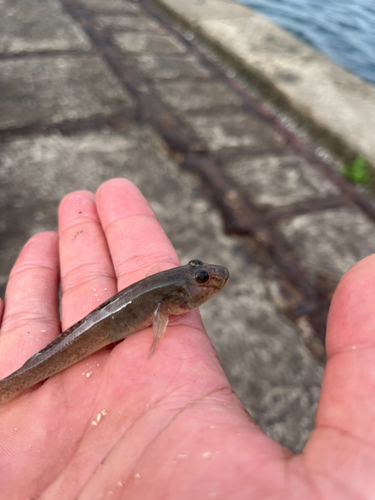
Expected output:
{"points": [[92, 90]]}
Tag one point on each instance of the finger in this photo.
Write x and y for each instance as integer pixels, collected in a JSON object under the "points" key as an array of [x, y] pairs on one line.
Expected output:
{"points": [[1, 310], [31, 317], [136, 239], [346, 409], [87, 275]]}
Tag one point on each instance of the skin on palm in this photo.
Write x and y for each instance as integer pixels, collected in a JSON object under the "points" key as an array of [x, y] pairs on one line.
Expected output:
{"points": [[123, 425]]}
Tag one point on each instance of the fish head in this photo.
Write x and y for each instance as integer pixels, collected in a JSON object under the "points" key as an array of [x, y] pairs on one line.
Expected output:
{"points": [[199, 283]]}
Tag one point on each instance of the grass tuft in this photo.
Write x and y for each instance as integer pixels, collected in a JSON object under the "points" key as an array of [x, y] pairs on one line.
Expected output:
{"points": [[357, 171]]}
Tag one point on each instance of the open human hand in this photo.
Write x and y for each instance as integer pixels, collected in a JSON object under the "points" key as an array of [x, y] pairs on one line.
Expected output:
{"points": [[122, 425]]}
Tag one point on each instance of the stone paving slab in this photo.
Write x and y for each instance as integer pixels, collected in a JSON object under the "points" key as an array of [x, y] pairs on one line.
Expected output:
{"points": [[234, 130], [170, 67], [145, 43], [52, 89], [31, 26], [244, 325], [135, 22], [192, 95], [256, 339], [307, 84], [279, 180], [108, 5], [329, 243]]}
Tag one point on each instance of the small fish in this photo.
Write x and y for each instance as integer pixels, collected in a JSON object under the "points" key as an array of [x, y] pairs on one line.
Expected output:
{"points": [[149, 301]]}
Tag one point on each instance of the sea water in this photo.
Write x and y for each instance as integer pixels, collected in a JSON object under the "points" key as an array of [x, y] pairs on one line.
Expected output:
{"points": [[343, 30]]}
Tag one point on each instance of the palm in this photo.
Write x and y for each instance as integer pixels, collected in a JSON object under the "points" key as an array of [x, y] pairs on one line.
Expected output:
{"points": [[169, 426]]}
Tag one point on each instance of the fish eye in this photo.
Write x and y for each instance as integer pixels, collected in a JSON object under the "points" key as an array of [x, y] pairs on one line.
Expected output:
{"points": [[195, 263], [202, 276]]}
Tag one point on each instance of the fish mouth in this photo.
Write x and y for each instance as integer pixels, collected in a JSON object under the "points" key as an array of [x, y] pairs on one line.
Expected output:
{"points": [[227, 275], [222, 276]]}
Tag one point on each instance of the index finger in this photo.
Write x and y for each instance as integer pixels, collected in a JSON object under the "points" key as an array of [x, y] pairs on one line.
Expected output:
{"points": [[135, 237]]}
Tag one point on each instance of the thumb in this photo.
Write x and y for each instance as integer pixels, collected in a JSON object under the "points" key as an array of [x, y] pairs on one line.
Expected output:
{"points": [[343, 441]]}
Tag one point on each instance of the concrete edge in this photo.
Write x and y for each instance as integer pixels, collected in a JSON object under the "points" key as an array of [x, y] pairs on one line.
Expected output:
{"points": [[333, 105]]}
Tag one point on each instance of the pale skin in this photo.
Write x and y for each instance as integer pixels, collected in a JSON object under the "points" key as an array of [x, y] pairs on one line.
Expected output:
{"points": [[170, 425]]}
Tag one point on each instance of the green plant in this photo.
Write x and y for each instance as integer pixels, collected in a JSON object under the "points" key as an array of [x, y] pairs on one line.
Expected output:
{"points": [[357, 171]]}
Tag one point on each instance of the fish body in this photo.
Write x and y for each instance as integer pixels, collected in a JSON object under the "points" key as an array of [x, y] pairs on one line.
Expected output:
{"points": [[149, 301]]}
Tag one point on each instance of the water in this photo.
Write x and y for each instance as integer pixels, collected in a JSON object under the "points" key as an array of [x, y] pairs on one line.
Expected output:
{"points": [[343, 30]]}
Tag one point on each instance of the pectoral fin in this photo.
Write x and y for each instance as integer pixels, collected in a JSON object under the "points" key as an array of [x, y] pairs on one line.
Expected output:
{"points": [[159, 325]]}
